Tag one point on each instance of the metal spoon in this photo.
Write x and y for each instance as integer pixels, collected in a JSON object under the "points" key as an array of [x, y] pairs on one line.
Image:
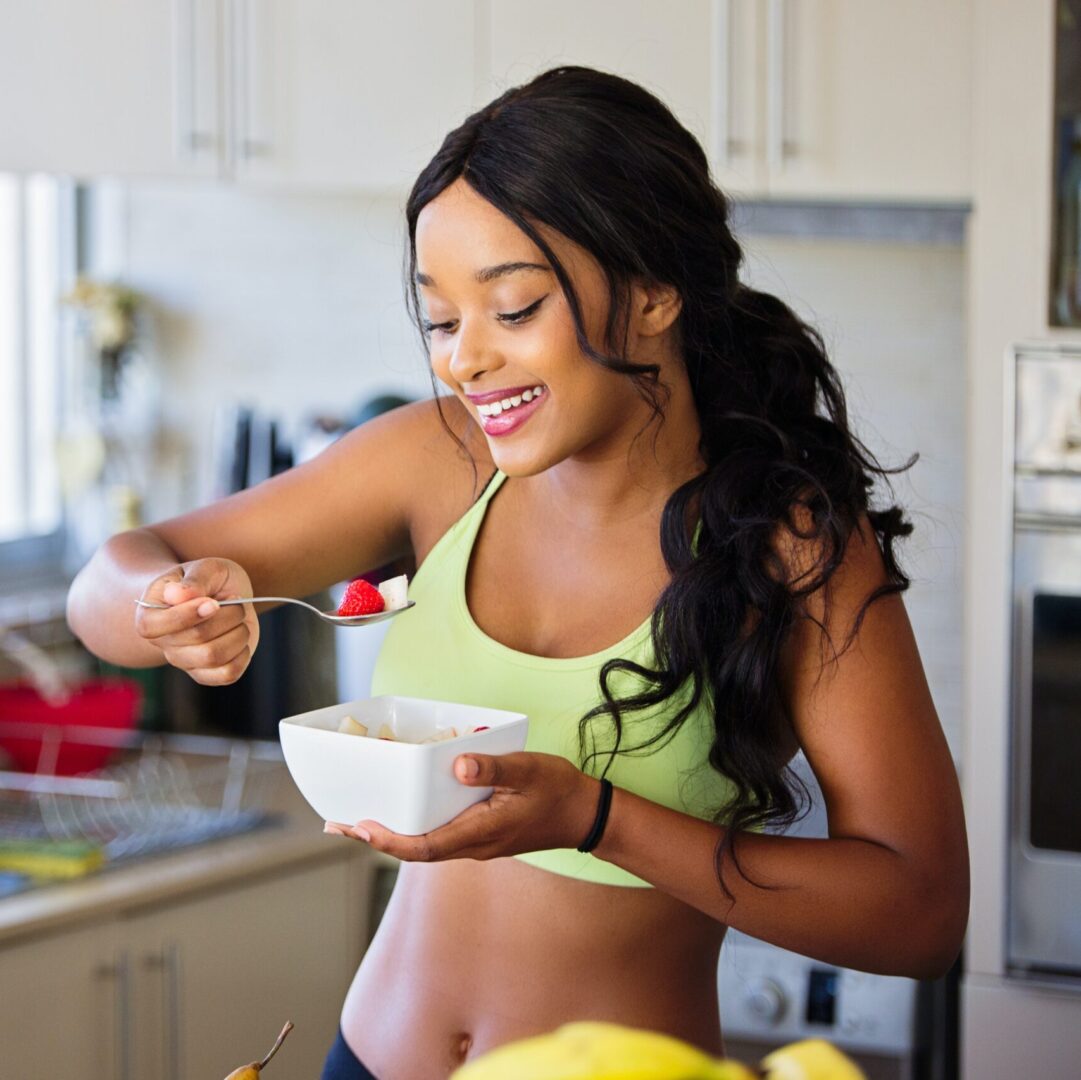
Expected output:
{"points": [[326, 616]]}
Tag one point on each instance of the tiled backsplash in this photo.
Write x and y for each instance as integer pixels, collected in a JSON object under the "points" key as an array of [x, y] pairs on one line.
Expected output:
{"points": [[295, 304]]}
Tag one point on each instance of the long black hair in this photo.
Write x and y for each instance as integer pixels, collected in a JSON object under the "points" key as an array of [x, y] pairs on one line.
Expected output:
{"points": [[606, 164]]}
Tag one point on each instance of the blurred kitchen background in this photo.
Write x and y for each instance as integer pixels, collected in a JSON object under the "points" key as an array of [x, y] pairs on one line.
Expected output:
{"points": [[201, 283]]}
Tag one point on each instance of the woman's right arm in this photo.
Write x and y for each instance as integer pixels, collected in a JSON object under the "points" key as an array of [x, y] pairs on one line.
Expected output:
{"points": [[347, 511]]}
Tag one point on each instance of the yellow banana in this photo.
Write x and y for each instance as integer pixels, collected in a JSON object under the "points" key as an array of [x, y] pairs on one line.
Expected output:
{"points": [[811, 1059], [591, 1050]]}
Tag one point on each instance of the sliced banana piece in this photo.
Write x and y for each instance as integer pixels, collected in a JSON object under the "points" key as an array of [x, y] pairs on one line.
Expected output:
{"points": [[349, 726]]}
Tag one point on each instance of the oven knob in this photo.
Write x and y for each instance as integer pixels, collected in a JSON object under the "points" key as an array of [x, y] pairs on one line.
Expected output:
{"points": [[765, 999]]}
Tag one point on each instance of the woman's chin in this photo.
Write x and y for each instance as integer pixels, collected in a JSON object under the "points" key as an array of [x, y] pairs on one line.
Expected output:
{"points": [[519, 461]]}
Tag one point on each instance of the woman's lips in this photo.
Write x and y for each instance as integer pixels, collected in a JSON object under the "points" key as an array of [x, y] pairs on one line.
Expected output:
{"points": [[512, 419]]}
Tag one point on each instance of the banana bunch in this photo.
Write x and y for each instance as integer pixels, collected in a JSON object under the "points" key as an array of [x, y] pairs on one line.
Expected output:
{"points": [[601, 1051]]}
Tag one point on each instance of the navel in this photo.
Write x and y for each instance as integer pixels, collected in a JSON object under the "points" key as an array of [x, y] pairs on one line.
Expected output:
{"points": [[464, 1045]]}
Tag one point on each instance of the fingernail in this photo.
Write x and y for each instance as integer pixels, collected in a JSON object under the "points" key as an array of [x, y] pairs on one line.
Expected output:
{"points": [[207, 608], [333, 830], [361, 833], [470, 768]]}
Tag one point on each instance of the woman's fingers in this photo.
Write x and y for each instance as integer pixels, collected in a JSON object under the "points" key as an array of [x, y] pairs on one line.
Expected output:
{"points": [[213, 644], [224, 674], [464, 837], [208, 655]]}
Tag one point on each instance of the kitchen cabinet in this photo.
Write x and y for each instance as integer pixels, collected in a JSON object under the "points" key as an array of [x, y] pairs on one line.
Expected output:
{"points": [[78, 1027], [348, 94], [127, 87], [866, 99], [193, 988], [831, 99], [339, 94]]}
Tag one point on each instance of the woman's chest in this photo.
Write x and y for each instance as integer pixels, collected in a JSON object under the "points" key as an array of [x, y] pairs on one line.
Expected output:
{"points": [[546, 590]]}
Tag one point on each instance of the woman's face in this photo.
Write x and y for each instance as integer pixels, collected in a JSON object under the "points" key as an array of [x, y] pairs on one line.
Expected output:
{"points": [[504, 342]]}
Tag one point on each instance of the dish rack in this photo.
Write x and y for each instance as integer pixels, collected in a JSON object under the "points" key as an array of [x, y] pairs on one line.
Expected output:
{"points": [[160, 791]]}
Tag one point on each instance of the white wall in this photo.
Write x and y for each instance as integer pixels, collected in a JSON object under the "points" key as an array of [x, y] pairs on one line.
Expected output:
{"points": [[291, 304], [892, 316], [295, 304]]}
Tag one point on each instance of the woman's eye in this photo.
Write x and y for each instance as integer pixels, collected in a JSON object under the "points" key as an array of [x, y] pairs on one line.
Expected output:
{"points": [[513, 317], [429, 327], [521, 316]]}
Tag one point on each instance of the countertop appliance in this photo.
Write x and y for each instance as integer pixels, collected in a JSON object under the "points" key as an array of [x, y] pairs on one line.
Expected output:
{"points": [[1043, 933]]}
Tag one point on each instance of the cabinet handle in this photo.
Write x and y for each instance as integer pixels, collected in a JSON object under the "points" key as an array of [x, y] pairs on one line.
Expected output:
{"points": [[189, 140], [168, 963], [119, 972], [777, 144], [245, 28], [722, 67]]}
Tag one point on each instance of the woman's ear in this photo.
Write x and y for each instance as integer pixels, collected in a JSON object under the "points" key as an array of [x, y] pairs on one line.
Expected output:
{"points": [[656, 308]]}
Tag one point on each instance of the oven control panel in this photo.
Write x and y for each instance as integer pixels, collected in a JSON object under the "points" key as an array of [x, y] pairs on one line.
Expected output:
{"points": [[770, 993]]}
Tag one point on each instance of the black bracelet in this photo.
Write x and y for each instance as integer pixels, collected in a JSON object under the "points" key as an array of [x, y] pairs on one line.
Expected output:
{"points": [[603, 803]]}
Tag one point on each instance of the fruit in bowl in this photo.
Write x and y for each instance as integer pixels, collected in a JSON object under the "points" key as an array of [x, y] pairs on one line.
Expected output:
{"points": [[394, 763]]}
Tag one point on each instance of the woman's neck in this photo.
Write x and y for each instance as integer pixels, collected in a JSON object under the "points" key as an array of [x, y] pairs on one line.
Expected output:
{"points": [[634, 477]]}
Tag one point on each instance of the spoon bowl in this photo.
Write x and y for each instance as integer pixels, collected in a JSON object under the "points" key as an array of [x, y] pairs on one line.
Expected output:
{"points": [[327, 616]]}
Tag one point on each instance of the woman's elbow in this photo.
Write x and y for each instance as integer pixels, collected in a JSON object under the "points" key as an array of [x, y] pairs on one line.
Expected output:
{"points": [[944, 920]]}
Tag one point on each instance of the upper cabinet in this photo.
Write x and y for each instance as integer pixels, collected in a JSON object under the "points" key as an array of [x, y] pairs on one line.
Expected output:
{"points": [[865, 99], [324, 93], [841, 99], [129, 86], [822, 99], [347, 93]]}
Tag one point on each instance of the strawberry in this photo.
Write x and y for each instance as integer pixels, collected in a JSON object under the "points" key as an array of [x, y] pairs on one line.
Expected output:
{"points": [[361, 598]]}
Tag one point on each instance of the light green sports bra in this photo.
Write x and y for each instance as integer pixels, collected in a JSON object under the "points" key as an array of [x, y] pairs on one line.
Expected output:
{"points": [[437, 651]]}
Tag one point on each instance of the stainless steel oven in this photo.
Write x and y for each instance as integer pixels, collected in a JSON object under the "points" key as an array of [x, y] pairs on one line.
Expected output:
{"points": [[1044, 877]]}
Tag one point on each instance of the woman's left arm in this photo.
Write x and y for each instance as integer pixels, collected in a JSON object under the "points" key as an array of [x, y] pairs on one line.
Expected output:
{"points": [[888, 890]]}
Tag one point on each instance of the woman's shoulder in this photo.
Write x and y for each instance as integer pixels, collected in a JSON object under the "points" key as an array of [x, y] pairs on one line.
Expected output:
{"points": [[440, 460]]}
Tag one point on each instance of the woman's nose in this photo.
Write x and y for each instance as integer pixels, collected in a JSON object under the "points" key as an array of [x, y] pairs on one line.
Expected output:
{"points": [[472, 357]]}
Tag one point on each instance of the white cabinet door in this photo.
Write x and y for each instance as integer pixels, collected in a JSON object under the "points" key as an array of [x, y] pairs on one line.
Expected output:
{"points": [[868, 99], [126, 87], [217, 976], [670, 51], [348, 93], [65, 1005]]}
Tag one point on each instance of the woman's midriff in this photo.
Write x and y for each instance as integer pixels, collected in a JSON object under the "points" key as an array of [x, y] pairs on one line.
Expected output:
{"points": [[470, 955]]}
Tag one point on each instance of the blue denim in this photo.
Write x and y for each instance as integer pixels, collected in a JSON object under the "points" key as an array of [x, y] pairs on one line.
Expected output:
{"points": [[343, 1064]]}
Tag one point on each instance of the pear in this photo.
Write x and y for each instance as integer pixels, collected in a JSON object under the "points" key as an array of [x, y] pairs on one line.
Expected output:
{"points": [[251, 1072]]}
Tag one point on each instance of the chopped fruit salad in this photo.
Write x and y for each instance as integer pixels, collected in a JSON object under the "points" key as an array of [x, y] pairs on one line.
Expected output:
{"points": [[349, 726], [363, 598]]}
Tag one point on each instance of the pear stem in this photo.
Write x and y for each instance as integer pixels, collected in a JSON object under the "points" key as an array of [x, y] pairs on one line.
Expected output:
{"points": [[274, 1049]]}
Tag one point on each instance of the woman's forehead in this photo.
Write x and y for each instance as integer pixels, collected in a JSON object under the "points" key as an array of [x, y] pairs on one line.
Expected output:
{"points": [[460, 225]]}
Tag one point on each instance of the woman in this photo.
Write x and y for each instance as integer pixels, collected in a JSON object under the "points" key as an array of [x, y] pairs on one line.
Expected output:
{"points": [[631, 522]]}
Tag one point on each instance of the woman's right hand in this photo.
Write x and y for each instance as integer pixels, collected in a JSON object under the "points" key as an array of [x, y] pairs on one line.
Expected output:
{"points": [[213, 644]]}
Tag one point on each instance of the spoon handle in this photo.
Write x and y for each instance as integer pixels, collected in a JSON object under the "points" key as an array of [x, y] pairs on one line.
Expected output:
{"points": [[240, 600]]}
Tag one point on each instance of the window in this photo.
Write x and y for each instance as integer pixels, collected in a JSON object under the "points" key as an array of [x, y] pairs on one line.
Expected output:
{"points": [[37, 265]]}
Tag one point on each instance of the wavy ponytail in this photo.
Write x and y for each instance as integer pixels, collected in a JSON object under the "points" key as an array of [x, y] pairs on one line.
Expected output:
{"points": [[606, 164]]}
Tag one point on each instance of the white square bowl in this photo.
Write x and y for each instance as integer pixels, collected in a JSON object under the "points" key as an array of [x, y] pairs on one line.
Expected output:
{"points": [[407, 787]]}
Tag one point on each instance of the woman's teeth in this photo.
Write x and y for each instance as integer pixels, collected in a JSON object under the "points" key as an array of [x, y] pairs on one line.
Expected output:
{"points": [[494, 408]]}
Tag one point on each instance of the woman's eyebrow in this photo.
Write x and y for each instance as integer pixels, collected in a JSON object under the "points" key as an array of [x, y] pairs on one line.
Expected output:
{"points": [[490, 273]]}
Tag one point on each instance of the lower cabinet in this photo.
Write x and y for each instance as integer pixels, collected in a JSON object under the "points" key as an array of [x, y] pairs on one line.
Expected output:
{"points": [[192, 989], [63, 1005]]}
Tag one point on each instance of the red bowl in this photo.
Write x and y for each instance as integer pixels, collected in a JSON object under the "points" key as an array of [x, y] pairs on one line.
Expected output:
{"points": [[112, 703]]}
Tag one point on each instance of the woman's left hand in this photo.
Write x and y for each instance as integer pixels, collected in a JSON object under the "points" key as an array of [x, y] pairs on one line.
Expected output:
{"points": [[540, 801]]}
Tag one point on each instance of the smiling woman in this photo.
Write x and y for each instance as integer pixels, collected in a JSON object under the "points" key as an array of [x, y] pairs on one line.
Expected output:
{"points": [[640, 517]]}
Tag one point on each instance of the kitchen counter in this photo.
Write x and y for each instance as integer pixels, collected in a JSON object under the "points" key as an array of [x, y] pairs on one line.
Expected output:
{"points": [[296, 837]]}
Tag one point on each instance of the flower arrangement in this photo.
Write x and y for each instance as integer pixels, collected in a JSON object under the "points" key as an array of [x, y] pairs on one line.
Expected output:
{"points": [[110, 311]]}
